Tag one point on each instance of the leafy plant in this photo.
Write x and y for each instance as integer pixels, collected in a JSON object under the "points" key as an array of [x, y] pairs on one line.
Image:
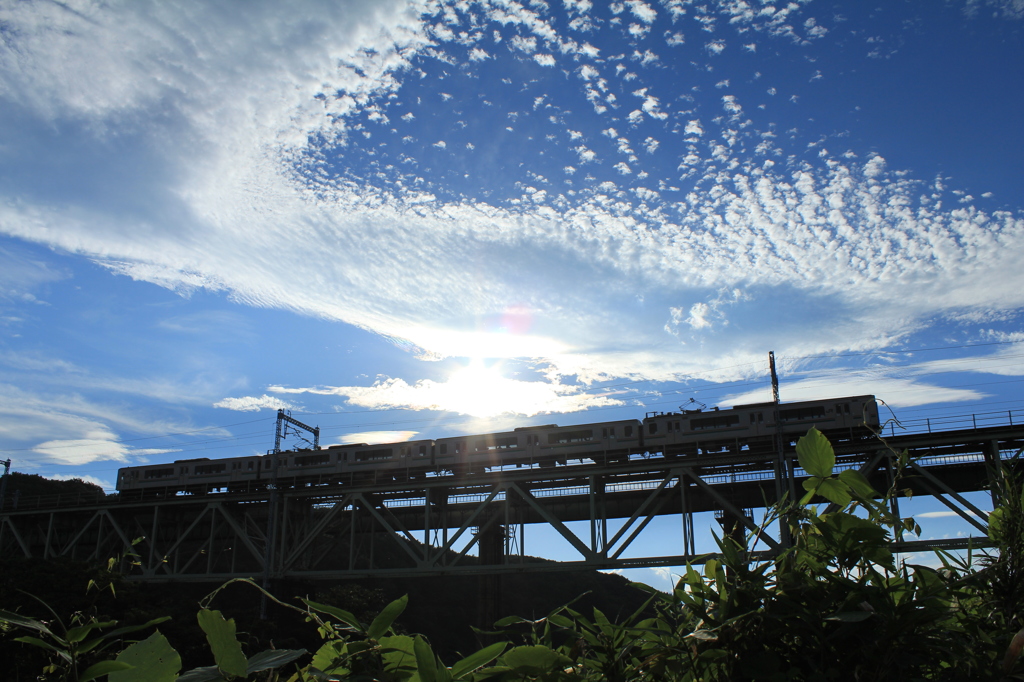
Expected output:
{"points": [[72, 646]]}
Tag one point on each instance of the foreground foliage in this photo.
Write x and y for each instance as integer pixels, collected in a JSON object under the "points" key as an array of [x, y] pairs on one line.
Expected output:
{"points": [[835, 605]]}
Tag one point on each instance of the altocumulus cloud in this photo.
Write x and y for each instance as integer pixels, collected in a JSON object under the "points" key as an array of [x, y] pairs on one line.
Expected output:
{"points": [[235, 113]]}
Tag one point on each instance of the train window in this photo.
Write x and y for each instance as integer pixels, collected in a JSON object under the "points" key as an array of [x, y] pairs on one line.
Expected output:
{"points": [[627, 431], [799, 413], [652, 428], [423, 451], [846, 408], [218, 468], [184, 470], [370, 455], [675, 425], [608, 433], [160, 473], [250, 465], [444, 448], [312, 460], [722, 422], [580, 436]]}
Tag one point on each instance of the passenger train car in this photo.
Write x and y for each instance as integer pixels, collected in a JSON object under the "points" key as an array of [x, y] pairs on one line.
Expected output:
{"points": [[689, 433]]}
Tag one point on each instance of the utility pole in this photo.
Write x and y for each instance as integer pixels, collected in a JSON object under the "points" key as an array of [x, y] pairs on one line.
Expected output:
{"points": [[3, 481], [782, 478], [283, 420]]}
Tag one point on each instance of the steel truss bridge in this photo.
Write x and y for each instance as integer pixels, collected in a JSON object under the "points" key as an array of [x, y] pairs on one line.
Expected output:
{"points": [[476, 525]]}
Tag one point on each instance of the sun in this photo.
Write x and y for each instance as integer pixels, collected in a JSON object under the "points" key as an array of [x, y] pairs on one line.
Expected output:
{"points": [[482, 391]]}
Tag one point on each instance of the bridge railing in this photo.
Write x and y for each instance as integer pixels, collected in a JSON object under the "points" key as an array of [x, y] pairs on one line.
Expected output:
{"points": [[23, 502], [960, 422]]}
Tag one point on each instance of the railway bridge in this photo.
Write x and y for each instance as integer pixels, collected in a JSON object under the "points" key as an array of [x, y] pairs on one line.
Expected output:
{"points": [[476, 525]]}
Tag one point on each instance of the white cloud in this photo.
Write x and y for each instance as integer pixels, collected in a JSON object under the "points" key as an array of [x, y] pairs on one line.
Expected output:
{"points": [[730, 104], [471, 392], [715, 47], [895, 391], [698, 318], [374, 437], [642, 11], [77, 429], [253, 404], [586, 155], [943, 514], [106, 485], [220, 109]]}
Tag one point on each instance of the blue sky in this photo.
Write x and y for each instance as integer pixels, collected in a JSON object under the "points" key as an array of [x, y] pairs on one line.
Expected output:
{"points": [[418, 220]]}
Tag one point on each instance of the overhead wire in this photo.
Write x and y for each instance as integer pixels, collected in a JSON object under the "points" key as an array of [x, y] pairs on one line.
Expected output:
{"points": [[643, 398]]}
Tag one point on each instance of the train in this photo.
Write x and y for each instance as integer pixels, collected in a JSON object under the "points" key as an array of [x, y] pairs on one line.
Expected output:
{"points": [[672, 435]]}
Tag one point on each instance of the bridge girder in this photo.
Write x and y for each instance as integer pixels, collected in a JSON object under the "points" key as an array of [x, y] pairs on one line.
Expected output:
{"points": [[431, 526]]}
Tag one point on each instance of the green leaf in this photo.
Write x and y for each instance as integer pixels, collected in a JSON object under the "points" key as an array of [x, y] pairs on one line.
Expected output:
{"points": [[705, 635], [80, 633], [858, 484], [426, 663], [713, 654], [210, 673], [35, 641], [561, 621], [816, 454], [850, 616], [331, 658], [534, 660], [398, 654], [996, 524], [811, 484], [102, 668], [380, 625], [834, 490], [478, 659], [152, 660], [273, 658], [134, 628], [220, 633], [25, 622], [341, 614]]}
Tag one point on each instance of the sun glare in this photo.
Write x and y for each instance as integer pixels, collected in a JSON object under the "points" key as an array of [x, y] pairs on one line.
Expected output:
{"points": [[482, 391]]}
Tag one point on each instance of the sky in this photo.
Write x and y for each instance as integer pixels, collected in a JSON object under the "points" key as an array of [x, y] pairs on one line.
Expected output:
{"points": [[415, 220]]}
